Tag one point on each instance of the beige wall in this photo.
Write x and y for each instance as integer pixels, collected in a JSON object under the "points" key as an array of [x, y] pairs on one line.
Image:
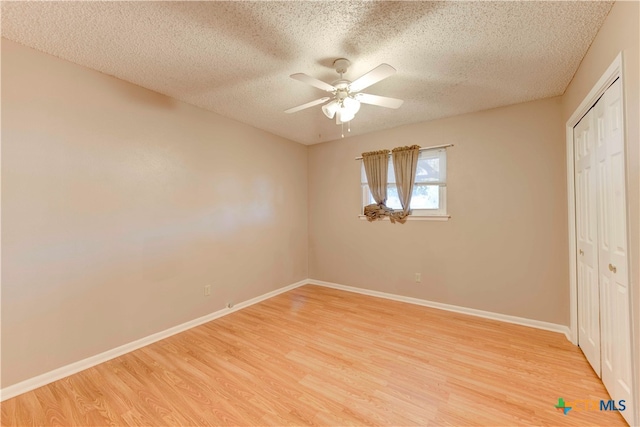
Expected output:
{"points": [[620, 33], [120, 204], [504, 249]]}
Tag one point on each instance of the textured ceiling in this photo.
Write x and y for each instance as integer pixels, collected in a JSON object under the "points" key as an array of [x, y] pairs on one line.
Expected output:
{"points": [[234, 58]]}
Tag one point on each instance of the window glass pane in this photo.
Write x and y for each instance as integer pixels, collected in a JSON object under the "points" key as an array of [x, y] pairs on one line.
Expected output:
{"points": [[425, 197], [393, 201], [369, 200], [428, 169]]}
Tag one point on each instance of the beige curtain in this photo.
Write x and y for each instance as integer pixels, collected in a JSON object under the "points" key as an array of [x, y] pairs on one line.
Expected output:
{"points": [[405, 163], [376, 167]]}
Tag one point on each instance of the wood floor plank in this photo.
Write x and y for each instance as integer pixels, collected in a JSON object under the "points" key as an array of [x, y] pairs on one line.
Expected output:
{"points": [[318, 356]]}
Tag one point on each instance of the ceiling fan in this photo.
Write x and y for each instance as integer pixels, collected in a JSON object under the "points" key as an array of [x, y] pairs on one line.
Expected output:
{"points": [[346, 99]]}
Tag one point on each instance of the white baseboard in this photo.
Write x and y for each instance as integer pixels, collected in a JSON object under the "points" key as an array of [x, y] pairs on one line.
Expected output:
{"points": [[457, 309], [65, 371]]}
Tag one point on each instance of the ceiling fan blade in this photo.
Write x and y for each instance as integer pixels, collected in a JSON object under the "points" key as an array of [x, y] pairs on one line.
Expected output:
{"points": [[381, 72], [313, 82], [381, 101], [307, 105]]}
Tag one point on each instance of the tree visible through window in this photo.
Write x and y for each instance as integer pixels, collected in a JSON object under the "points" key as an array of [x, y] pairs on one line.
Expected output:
{"points": [[429, 191]]}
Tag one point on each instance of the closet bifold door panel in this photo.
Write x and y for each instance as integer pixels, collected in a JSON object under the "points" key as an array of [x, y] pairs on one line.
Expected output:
{"points": [[612, 247], [604, 328], [587, 235]]}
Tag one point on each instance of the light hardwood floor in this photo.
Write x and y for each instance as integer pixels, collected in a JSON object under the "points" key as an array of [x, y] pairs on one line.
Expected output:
{"points": [[319, 356]]}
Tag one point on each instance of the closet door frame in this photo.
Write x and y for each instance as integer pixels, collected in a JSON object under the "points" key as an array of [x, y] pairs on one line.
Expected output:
{"points": [[615, 71]]}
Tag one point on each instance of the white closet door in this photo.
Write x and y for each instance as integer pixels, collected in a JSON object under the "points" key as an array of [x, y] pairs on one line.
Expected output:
{"points": [[612, 248], [586, 223]]}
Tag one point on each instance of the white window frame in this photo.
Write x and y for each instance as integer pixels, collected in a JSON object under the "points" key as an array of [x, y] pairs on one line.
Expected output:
{"points": [[417, 214]]}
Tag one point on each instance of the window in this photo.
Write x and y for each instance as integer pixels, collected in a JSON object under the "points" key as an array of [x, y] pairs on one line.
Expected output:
{"points": [[429, 197]]}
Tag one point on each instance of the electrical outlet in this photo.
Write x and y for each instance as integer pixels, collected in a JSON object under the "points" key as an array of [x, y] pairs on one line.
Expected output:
{"points": [[207, 290], [418, 277]]}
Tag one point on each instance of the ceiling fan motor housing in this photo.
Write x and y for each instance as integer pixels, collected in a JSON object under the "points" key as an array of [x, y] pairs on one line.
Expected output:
{"points": [[342, 88]]}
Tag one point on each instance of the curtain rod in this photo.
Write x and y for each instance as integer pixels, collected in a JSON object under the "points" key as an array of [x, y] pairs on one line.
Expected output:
{"points": [[422, 149]]}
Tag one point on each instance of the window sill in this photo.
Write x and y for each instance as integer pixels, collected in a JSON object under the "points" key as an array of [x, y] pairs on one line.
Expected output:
{"points": [[415, 218]]}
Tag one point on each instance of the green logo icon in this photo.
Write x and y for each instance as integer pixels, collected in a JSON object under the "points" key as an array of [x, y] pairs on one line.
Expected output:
{"points": [[561, 406]]}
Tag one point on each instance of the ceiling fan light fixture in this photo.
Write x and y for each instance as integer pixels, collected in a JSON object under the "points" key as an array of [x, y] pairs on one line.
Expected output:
{"points": [[347, 110], [351, 105], [344, 115], [329, 109]]}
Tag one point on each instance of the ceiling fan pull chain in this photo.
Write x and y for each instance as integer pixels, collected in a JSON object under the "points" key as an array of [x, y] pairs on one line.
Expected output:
{"points": [[342, 124]]}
